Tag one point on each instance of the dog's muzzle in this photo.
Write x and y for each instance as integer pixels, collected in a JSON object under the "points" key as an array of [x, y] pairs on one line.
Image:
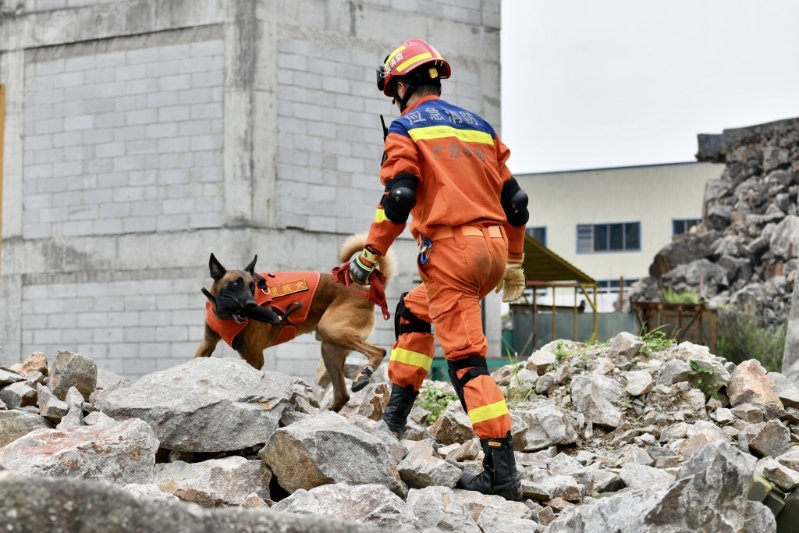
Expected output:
{"points": [[229, 305]]}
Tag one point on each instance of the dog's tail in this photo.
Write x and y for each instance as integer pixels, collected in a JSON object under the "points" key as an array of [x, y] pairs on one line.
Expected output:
{"points": [[355, 244]]}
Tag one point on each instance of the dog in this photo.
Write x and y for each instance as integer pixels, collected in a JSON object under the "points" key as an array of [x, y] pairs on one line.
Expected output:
{"points": [[342, 317]]}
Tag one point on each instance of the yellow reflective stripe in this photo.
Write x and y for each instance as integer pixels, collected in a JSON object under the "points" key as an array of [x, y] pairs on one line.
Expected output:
{"points": [[401, 355], [487, 412], [415, 59], [380, 215], [392, 54], [440, 132]]}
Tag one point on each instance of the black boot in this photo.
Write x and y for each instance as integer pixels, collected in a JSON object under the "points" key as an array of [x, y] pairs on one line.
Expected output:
{"points": [[399, 407], [499, 471]]}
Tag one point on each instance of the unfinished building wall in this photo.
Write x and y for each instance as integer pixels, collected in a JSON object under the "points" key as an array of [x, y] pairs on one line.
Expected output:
{"points": [[142, 136]]}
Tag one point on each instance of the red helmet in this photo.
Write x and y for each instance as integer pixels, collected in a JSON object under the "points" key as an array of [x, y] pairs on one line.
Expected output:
{"points": [[408, 57]]}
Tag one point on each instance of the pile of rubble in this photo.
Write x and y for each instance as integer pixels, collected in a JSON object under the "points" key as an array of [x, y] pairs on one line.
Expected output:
{"points": [[635, 435], [744, 253]]}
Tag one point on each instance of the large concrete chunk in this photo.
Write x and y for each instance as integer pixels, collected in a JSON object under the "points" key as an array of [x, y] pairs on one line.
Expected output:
{"points": [[124, 453], [327, 449], [453, 425], [216, 482], [29, 504], [372, 505], [205, 405], [708, 495], [36, 362]]}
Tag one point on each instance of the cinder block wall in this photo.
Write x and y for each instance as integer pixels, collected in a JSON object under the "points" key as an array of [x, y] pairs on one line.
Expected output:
{"points": [[142, 136]]}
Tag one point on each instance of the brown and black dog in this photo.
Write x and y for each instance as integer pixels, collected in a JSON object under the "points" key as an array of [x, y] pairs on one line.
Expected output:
{"points": [[342, 319]]}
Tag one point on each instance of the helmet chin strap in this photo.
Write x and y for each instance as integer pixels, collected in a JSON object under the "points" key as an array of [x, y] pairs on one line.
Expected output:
{"points": [[404, 100]]}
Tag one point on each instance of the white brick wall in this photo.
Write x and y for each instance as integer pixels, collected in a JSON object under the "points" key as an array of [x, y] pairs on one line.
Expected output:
{"points": [[124, 141], [329, 136]]}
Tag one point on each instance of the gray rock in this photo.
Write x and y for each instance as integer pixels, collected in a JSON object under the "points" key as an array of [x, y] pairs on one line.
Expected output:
{"points": [[124, 453], [437, 507], [541, 361], [98, 418], [105, 507], [784, 388], [16, 424], [565, 487], [368, 402], [476, 503], [50, 407], [422, 468], [638, 382], [593, 395], [18, 395], [790, 458], [8, 377], [772, 439], [453, 425], [541, 428], [72, 370], [785, 239], [785, 478], [625, 344], [673, 372], [216, 482], [320, 450], [749, 384], [74, 416], [209, 404], [372, 505], [790, 356], [605, 481], [758, 519], [636, 475], [491, 522], [708, 495]]}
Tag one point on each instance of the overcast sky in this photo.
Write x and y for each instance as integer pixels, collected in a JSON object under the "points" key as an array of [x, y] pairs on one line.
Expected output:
{"points": [[602, 83]]}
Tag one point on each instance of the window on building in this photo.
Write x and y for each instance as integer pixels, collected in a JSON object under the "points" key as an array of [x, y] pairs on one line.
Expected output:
{"points": [[538, 233], [679, 226], [612, 285], [617, 237]]}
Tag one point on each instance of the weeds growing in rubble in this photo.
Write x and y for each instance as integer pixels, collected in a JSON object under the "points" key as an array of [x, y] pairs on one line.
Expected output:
{"points": [[435, 401], [516, 392], [705, 379], [655, 341], [560, 352], [673, 297]]}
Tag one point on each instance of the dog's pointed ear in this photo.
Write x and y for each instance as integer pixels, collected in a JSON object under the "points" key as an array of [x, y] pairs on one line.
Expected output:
{"points": [[217, 270], [251, 267]]}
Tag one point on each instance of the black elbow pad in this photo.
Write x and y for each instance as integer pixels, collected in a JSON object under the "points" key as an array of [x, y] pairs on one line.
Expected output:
{"points": [[514, 203], [400, 197]]}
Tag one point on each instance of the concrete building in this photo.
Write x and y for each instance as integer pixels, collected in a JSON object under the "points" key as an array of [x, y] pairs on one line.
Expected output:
{"points": [[141, 136], [611, 222]]}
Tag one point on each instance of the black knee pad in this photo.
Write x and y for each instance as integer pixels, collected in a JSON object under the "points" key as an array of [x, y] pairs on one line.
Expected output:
{"points": [[478, 366], [414, 323]]}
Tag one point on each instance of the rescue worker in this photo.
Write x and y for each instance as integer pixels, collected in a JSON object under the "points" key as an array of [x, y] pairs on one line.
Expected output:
{"points": [[445, 166]]}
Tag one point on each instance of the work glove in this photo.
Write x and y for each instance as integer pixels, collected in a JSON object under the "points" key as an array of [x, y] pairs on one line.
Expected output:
{"points": [[513, 281], [362, 266]]}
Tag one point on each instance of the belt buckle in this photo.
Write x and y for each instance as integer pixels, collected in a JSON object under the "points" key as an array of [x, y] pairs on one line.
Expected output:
{"points": [[424, 250]]}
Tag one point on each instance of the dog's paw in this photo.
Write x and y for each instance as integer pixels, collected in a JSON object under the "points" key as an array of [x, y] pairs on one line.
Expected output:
{"points": [[362, 379]]}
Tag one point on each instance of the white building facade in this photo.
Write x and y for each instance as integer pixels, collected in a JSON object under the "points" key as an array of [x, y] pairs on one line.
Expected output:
{"points": [[610, 223]]}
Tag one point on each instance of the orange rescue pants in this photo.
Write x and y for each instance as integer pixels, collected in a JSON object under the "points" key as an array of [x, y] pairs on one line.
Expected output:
{"points": [[465, 264]]}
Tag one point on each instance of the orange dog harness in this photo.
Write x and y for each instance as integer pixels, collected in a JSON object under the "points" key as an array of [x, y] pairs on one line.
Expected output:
{"points": [[284, 290]]}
